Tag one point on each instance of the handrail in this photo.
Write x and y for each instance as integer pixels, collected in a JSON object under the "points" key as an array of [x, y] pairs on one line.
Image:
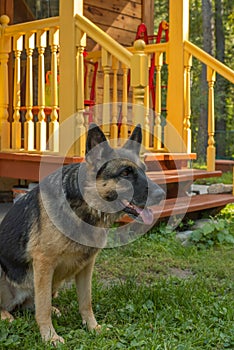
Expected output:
{"points": [[149, 48], [32, 26], [103, 39], [210, 61], [152, 48]]}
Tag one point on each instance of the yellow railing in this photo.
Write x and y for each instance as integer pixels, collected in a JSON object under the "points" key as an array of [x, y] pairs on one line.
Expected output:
{"points": [[27, 128], [31, 123], [213, 67], [114, 72], [111, 58], [103, 39], [209, 61]]}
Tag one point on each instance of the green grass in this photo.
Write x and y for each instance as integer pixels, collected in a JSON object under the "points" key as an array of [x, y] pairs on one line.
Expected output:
{"points": [[151, 294]]}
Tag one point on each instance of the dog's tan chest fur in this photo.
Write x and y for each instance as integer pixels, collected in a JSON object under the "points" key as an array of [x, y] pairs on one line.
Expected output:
{"points": [[70, 263], [66, 257]]}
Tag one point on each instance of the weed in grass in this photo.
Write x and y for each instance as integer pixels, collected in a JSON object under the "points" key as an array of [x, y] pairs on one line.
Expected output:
{"points": [[219, 230]]}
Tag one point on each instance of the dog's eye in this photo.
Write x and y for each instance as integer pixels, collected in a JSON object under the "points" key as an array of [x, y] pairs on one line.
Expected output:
{"points": [[126, 172]]}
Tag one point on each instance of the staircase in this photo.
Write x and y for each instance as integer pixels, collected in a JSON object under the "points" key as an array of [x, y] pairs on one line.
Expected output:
{"points": [[169, 170], [176, 179]]}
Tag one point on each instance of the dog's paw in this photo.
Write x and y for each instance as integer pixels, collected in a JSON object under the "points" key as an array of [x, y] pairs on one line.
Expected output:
{"points": [[56, 340], [48, 334], [56, 311], [98, 328], [5, 315]]}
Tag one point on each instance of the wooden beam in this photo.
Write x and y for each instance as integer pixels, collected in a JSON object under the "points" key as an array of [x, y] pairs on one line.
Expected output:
{"points": [[7, 8], [148, 15]]}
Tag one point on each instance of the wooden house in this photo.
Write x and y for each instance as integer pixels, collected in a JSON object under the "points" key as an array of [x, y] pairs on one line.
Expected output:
{"points": [[97, 71]]}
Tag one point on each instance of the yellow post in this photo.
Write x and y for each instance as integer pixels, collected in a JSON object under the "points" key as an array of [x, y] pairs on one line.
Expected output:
{"points": [[16, 125], [211, 151], [68, 78], [139, 80], [5, 47], [179, 31], [80, 127]]}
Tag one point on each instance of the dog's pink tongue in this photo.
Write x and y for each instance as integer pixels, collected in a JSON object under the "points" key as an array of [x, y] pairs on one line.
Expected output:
{"points": [[146, 215]]}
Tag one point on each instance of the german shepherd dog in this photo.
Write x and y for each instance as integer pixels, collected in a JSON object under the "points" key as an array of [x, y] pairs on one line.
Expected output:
{"points": [[56, 230]]}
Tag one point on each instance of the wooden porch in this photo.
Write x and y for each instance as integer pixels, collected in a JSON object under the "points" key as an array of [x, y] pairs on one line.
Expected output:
{"points": [[37, 138]]}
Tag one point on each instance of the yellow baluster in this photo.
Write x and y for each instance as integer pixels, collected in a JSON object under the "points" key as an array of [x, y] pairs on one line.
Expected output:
{"points": [[187, 107], [124, 121], [146, 126], [5, 47], [54, 124], [114, 127], [29, 124], [16, 125], [211, 151], [158, 102], [41, 124], [106, 65]]}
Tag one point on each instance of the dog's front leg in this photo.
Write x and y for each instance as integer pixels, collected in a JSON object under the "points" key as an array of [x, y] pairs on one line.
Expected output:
{"points": [[43, 275], [84, 291]]}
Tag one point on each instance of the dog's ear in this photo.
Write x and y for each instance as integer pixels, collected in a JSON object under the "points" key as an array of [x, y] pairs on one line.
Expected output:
{"points": [[97, 147], [136, 136]]}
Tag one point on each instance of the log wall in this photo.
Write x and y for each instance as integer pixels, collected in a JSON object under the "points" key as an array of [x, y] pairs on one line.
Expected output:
{"points": [[119, 18]]}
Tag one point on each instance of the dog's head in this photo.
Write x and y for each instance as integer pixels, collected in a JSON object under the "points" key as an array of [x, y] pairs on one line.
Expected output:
{"points": [[122, 186]]}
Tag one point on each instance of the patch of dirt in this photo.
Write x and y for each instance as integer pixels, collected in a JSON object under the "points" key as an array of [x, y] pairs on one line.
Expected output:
{"points": [[183, 274]]}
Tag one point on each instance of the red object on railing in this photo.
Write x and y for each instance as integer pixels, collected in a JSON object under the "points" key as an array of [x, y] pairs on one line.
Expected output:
{"points": [[91, 101], [142, 34]]}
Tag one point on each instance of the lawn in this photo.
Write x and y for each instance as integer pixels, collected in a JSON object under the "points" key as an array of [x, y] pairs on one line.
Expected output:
{"points": [[151, 294]]}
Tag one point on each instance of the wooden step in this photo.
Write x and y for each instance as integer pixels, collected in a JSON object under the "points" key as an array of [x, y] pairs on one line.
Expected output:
{"points": [[188, 204], [176, 183], [181, 175], [184, 205], [168, 161]]}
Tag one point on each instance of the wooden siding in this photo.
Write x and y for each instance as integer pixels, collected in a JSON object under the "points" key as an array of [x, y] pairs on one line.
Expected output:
{"points": [[119, 18]]}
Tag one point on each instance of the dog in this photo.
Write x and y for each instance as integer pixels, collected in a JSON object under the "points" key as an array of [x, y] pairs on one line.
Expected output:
{"points": [[55, 231]]}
